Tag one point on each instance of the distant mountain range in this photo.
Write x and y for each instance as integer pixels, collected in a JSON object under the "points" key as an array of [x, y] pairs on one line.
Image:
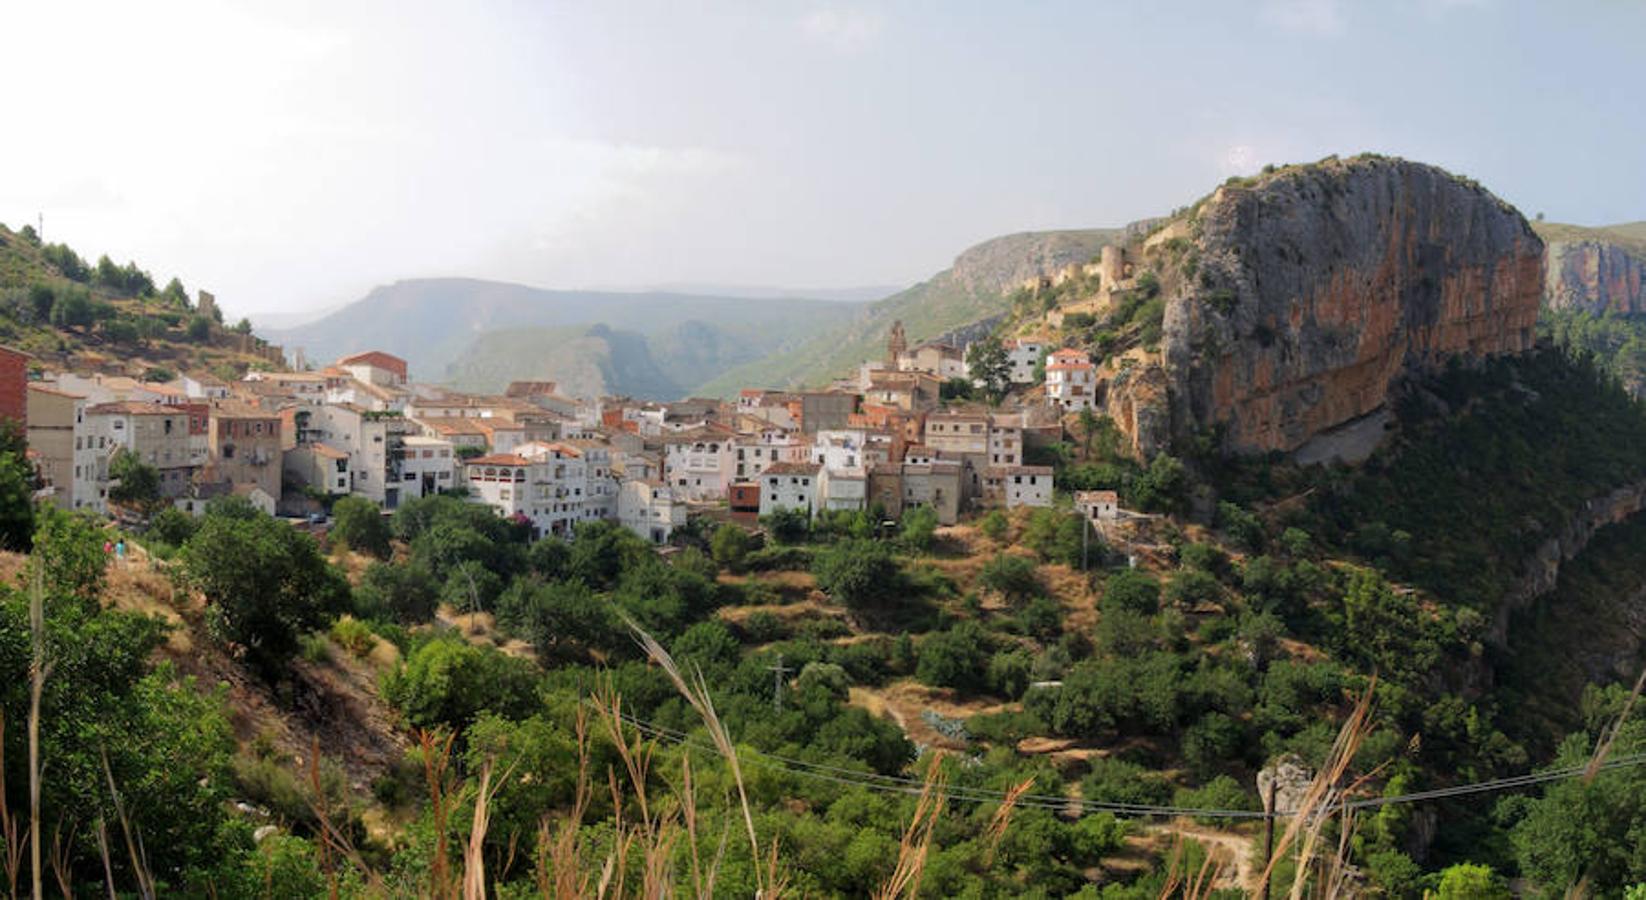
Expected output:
{"points": [[479, 334]]}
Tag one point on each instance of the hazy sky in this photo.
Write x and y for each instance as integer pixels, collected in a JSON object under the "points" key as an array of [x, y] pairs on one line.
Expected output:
{"points": [[290, 155]]}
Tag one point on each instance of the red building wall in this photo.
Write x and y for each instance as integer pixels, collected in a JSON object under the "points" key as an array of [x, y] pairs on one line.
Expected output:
{"points": [[14, 385]]}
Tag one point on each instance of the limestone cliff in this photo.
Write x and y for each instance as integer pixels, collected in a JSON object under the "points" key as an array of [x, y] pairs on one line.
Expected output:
{"points": [[1594, 270], [1297, 300]]}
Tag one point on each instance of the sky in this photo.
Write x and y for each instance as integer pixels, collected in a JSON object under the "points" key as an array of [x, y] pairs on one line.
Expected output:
{"points": [[290, 156]]}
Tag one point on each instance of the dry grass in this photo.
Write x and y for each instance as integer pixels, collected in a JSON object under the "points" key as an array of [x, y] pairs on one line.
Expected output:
{"points": [[1307, 829]]}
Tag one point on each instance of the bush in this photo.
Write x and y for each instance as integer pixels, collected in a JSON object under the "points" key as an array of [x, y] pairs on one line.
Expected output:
{"points": [[1244, 527], [994, 525], [1192, 587], [1013, 577], [956, 658], [917, 528], [1129, 589], [353, 635], [359, 524], [448, 682], [1213, 742], [729, 546], [787, 526], [266, 583], [400, 593], [857, 573], [1221, 792], [1054, 534], [1010, 673], [778, 559]]}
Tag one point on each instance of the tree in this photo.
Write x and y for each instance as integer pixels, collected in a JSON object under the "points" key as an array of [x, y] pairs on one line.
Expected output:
{"points": [[172, 527], [73, 309], [359, 524], [404, 593], [199, 329], [955, 389], [266, 582], [1467, 881], [243, 326], [918, 528], [70, 547], [857, 572], [16, 491], [1011, 576], [990, 367], [449, 682], [957, 658], [729, 545], [137, 482], [175, 294], [787, 526], [1163, 487]]}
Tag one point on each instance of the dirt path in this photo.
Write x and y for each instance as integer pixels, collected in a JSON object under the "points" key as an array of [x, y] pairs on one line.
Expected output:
{"points": [[1229, 848]]}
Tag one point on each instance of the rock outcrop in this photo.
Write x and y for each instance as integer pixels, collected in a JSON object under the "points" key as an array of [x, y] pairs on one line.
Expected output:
{"points": [[1596, 276], [1302, 297]]}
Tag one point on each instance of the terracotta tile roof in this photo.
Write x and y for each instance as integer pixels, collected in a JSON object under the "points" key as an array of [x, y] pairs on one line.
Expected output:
{"points": [[791, 468], [134, 408], [500, 459]]}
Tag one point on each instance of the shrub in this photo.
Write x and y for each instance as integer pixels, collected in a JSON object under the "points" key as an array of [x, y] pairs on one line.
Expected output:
{"points": [[1191, 587], [1013, 577], [1221, 792], [1129, 589], [787, 526], [730, 545], [353, 635], [1010, 673], [956, 658], [1244, 527], [917, 528], [1054, 534], [359, 524], [994, 525], [857, 573], [448, 682], [404, 593]]}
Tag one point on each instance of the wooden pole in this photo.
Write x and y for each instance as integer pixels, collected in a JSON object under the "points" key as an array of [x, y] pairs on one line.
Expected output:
{"points": [[1268, 836]]}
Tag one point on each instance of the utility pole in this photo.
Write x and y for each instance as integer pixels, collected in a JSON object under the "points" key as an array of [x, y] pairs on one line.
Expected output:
{"points": [[778, 671], [1268, 835]]}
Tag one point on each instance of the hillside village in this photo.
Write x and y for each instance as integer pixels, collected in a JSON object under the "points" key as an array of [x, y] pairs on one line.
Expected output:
{"points": [[291, 441]]}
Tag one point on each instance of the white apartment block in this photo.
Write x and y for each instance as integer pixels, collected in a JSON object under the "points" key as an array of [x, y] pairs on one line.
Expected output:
{"points": [[699, 464], [1071, 381], [788, 486], [650, 509]]}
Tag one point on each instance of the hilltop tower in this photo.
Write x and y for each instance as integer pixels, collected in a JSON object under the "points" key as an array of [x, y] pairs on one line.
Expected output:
{"points": [[896, 345]]}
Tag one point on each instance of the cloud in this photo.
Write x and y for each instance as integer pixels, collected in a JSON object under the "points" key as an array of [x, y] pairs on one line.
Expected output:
{"points": [[843, 28], [1323, 18]]}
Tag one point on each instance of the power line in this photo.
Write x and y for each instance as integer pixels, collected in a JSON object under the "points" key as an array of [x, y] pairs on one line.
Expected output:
{"points": [[912, 786]]}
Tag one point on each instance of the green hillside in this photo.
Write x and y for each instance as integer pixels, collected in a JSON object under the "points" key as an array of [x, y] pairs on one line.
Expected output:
{"points": [[973, 288], [104, 316]]}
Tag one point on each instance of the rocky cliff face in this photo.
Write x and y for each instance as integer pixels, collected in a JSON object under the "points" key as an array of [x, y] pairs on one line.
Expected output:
{"points": [[1302, 297], [1595, 276]]}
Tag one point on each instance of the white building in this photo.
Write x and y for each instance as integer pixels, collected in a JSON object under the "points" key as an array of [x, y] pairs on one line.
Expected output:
{"points": [[839, 449], [650, 509], [1014, 486], [1071, 380], [1024, 355], [1099, 506], [842, 489], [753, 452], [699, 464], [374, 441], [429, 462], [788, 486]]}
